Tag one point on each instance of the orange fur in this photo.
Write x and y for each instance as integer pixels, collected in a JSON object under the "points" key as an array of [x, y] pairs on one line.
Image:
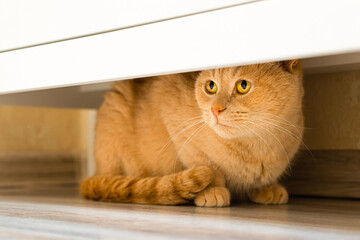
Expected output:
{"points": [[150, 131]]}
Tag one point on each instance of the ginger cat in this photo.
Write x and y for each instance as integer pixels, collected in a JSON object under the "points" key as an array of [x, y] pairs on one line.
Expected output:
{"points": [[202, 136]]}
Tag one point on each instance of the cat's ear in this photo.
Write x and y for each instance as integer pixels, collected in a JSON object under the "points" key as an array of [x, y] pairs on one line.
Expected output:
{"points": [[291, 65]]}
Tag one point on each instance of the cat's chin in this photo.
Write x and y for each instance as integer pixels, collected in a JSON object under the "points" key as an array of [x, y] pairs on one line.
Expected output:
{"points": [[229, 132], [225, 131]]}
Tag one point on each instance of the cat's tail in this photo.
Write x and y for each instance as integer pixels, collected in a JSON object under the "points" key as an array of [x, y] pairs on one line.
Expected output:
{"points": [[177, 188]]}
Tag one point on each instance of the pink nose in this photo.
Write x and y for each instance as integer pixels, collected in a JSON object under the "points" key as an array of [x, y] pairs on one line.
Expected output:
{"points": [[216, 110]]}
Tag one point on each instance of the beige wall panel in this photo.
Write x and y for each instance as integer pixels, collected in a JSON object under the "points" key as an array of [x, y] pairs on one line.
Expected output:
{"points": [[42, 129], [332, 110]]}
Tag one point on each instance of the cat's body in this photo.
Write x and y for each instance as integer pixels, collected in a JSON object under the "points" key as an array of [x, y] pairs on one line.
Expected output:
{"points": [[163, 125]]}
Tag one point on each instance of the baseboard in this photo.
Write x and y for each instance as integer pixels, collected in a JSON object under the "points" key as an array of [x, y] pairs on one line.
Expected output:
{"points": [[36, 171], [325, 173]]}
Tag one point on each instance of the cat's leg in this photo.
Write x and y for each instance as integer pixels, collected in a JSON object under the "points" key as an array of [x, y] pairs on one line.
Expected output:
{"points": [[271, 194], [215, 195]]}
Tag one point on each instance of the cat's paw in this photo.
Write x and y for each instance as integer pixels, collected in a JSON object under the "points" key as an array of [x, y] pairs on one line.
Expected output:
{"points": [[213, 197], [273, 194], [189, 183]]}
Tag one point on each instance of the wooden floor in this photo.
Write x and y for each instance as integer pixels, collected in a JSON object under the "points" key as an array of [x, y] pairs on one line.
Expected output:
{"points": [[60, 214]]}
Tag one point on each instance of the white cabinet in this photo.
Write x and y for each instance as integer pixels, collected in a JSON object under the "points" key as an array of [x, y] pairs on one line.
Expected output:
{"points": [[28, 23], [51, 44]]}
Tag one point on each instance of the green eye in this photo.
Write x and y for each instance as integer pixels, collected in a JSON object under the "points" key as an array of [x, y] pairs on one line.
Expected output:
{"points": [[243, 86], [211, 87]]}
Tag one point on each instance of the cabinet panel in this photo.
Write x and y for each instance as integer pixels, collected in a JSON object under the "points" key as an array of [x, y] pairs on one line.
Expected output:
{"points": [[25, 23], [226, 37]]}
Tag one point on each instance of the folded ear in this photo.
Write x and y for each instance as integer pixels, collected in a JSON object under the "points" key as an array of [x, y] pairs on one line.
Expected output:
{"points": [[291, 65]]}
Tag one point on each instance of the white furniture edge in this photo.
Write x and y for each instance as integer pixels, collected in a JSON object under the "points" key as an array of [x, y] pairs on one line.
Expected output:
{"points": [[316, 65], [226, 37], [91, 95], [26, 23]]}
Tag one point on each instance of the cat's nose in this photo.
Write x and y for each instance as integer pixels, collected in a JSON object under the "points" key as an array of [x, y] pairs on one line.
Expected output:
{"points": [[217, 109]]}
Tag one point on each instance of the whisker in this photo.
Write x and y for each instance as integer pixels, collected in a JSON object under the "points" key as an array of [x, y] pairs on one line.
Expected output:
{"points": [[272, 121], [277, 139], [284, 130], [172, 138], [279, 127], [280, 118], [261, 138], [275, 116], [188, 120], [197, 131], [278, 121]]}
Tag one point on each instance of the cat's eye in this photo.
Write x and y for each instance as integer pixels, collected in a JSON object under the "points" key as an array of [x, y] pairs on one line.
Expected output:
{"points": [[211, 87], [243, 86]]}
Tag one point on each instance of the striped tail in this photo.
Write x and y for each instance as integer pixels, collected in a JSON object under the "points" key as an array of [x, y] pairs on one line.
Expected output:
{"points": [[177, 188]]}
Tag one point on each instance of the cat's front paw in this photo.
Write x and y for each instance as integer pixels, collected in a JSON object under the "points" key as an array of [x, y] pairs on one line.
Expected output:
{"points": [[273, 194], [213, 197]]}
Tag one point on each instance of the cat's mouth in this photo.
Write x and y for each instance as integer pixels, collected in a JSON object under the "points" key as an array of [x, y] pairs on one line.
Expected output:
{"points": [[225, 130], [223, 125]]}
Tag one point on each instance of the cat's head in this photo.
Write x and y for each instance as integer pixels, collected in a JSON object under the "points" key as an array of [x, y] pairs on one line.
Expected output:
{"points": [[240, 101]]}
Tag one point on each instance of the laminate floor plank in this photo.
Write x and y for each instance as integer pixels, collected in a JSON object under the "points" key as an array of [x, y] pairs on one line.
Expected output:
{"points": [[55, 216]]}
